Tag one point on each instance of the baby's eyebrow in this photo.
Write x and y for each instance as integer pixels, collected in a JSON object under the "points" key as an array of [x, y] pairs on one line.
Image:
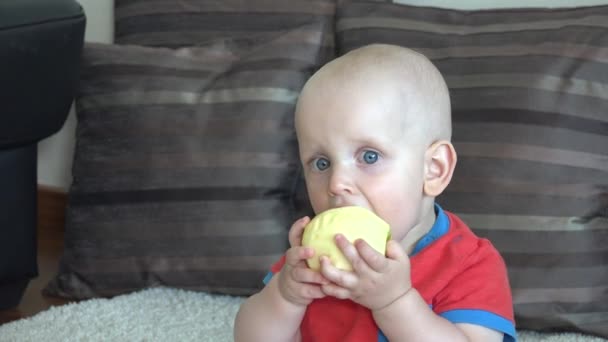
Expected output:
{"points": [[372, 141]]}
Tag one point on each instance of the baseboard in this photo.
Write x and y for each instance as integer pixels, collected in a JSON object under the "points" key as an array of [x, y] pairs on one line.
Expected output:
{"points": [[51, 208]]}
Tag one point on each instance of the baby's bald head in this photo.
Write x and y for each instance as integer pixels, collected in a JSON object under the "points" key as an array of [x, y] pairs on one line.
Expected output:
{"points": [[402, 80], [373, 129]]}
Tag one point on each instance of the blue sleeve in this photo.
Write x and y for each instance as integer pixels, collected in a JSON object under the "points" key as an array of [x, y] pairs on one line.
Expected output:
{"points": [[268, 277], [484, 319]]}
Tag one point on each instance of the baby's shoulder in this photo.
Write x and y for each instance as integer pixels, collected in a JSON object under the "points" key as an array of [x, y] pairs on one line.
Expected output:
{"points": [[463, 244]]}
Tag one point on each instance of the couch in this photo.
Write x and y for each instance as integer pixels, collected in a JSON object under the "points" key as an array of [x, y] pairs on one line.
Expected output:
{"points": [[186, 172], [40, 47]]}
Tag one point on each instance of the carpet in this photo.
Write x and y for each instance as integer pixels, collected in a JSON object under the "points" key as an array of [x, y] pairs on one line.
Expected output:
{"points": [[160, 314]]}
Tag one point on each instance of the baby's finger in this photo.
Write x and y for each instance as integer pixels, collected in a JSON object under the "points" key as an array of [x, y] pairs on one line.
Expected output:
{"points": [[306, 275], [372, 258], [334, 290], [335, 275], [396, 252], [295, 255], [296, 231], [352, 254]]}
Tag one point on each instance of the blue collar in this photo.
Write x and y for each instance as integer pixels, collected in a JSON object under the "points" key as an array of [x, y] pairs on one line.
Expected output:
{"points": [[440, 228]]}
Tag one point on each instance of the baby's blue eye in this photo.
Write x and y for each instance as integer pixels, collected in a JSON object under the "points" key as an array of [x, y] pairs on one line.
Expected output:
{"points": [[322, 164], [370, 157]]}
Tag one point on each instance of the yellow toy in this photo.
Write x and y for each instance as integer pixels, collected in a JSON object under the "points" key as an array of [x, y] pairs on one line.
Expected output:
{"points": [[354, 223]]}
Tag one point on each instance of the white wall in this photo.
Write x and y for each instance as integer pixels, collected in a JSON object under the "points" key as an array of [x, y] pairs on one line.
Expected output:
{"points": [[55, 153]]}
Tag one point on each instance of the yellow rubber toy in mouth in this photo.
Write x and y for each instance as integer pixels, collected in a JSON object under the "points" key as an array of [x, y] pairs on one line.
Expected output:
{"points": [[354, 223]]}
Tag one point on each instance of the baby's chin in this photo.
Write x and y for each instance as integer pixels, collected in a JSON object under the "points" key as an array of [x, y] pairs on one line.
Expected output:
{"points": [[352, 222]]}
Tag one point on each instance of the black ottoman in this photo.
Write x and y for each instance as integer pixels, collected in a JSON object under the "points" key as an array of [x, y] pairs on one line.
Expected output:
{"points": [[40, 46]]}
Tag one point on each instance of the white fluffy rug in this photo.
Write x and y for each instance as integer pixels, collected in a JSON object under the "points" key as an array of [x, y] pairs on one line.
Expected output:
{"points": [[159, 314]]}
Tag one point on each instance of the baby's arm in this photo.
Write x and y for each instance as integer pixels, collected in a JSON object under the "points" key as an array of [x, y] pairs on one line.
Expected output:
{"points": [[258, 317], [383, 285], [409, 318], [275, 313]]}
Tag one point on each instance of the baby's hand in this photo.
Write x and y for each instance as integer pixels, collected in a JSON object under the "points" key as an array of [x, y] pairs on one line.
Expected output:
{"points": [[297, 283], [376, 281]]}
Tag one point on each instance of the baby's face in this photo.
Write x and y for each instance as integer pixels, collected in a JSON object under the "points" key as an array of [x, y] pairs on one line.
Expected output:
{"points": [[357, 149]]}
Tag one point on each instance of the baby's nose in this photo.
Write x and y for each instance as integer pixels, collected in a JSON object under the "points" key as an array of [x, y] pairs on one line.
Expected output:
{"points": [[341, 182]]}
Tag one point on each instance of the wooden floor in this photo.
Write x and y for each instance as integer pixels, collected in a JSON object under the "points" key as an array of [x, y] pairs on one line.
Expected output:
{"points": [[50, 245]]}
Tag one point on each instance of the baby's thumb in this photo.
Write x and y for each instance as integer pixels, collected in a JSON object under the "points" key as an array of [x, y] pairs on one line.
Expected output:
{"points": [[394, 251], [296, 231]]}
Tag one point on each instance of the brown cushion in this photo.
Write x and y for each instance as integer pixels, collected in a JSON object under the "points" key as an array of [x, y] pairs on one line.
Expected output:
{"points": [[171, 23], [185, 162], [530, 104]]}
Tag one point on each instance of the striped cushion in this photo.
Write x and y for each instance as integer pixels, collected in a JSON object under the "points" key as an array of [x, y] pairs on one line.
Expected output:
{"points": [[185, 163], [530, 106], [171, 23]]}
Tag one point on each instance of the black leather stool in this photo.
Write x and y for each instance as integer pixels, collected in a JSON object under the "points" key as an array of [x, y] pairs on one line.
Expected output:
{"points": [[40, 46]]}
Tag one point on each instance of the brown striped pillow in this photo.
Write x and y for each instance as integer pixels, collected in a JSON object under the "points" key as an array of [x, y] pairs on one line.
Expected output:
{"points": [[171, 23], [185, 164], [529, 89]]}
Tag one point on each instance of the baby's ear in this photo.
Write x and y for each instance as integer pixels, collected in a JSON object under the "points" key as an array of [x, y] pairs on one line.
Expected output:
{"points": [[439, 163]]}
